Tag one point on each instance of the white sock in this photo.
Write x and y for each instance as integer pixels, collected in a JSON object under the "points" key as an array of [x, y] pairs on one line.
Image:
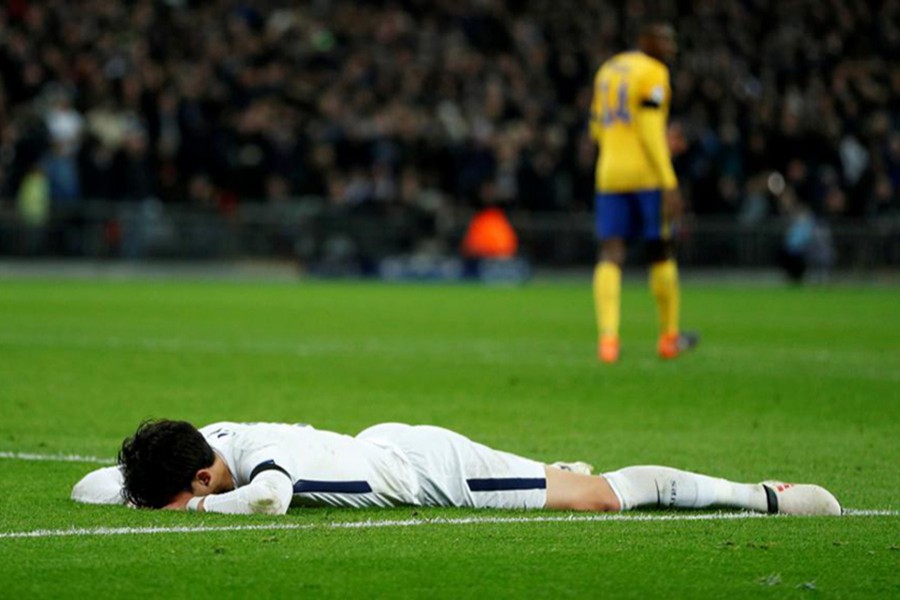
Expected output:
{"points": [[665, 487]]}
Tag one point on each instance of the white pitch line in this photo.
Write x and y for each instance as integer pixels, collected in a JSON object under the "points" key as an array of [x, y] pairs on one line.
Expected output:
{"points": [[370, 524], [57, 457]]}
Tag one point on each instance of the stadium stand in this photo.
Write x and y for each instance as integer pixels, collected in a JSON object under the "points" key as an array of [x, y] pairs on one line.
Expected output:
{"points": [[425, 105]]}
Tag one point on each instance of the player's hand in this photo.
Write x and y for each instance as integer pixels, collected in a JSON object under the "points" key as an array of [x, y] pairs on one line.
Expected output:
{"points": [[672, 205]]}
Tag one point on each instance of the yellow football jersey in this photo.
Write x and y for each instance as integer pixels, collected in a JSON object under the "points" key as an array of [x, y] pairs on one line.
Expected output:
{"points": [[628, 121]]}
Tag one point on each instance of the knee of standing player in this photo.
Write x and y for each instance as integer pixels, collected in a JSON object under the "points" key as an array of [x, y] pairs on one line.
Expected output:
{"points": [[612, 250]]}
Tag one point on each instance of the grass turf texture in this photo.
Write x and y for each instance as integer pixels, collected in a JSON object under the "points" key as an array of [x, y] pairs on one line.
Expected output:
{"points": [[798, 384]]}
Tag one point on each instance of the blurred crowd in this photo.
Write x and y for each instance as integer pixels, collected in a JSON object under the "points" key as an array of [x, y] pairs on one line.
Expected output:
{"points": [[432, 103]]}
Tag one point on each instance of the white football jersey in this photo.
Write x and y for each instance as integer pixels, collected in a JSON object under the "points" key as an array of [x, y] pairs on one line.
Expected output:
{"points": [[326, 468]]}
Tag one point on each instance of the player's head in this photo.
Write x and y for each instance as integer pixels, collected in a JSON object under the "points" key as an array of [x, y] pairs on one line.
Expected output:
{"points": [[657, 39], [161, 460]]}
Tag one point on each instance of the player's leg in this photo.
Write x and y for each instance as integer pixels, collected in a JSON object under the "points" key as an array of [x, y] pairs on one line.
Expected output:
{"points": [[455, 471], [664, 284], [613, 223], [665, 487], [666, 292], [608, 297], [649, 487]]}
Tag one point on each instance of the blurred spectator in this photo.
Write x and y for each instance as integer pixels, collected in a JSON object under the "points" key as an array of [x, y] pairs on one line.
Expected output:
{"points": [[65, 126], [33, 206], [33, 199], [807, 241], [270, 100]]}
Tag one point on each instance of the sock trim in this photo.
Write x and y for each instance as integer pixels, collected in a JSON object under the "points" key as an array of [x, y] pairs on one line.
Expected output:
{"points": [[771, 500]]}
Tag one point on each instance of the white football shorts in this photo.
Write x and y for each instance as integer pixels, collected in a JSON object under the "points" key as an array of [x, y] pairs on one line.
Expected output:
{"points": [[452, 470]]}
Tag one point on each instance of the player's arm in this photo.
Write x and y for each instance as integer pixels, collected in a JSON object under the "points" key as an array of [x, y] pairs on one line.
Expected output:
{"points": [[269, 493], [103, 486], [651, 126]]}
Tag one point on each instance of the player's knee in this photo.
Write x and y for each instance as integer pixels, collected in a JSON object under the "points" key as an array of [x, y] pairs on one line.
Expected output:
{"points": [[596, 497], [659, 251], [612, 250], [573, 491], [596, 503]]}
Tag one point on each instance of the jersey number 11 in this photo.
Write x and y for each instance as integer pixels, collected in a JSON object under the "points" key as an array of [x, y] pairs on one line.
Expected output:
{"points": [[619, 112]]}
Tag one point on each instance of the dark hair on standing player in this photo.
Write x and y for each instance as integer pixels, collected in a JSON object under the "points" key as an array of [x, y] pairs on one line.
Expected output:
{"points": [[160, 460]]}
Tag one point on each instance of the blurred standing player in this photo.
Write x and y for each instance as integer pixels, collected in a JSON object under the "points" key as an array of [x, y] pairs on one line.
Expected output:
{"points": [[637, 191]]}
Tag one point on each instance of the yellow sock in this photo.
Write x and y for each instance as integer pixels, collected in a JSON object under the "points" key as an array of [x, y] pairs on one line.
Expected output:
{"points": [[607, 298], [664, 286]]}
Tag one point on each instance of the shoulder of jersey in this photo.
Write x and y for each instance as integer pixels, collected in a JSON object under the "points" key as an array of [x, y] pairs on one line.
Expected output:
{"points": [[656, 65], [621, 56]]}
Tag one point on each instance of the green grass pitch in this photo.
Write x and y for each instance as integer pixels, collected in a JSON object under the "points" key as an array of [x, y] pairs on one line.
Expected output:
{"points": [[797, 384]]}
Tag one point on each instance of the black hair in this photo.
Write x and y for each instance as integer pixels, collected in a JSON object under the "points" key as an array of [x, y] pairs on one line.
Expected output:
{"points": [[648, 25], [160, 460]]}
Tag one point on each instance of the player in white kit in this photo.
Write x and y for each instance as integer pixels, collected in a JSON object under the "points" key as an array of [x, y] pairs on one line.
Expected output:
{"points": [[246, 468]]}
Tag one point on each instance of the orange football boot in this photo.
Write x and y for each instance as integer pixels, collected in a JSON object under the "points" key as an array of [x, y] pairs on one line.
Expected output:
{"points": [[673, 345], [608, 350]]}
